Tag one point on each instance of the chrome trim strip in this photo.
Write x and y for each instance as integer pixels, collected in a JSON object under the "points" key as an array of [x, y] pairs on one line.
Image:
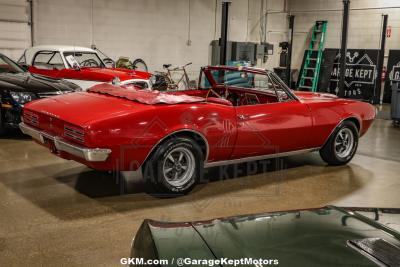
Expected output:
{"points": [[88, 154], [261, 157], [175, 132]]}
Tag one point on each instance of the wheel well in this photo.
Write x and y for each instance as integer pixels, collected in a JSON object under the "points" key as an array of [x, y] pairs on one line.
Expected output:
{"points": [[355, 121], [199, 139]]}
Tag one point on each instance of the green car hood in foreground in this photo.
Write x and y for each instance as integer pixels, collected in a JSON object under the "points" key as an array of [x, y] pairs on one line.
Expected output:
{"points": [[329, 236]]}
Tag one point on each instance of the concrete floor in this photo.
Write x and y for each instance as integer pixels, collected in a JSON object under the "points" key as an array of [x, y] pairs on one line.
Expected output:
{"points": [[57, 212]]}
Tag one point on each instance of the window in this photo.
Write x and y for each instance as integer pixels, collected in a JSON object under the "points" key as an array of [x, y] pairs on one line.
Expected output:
{"points": [[85, 59], [48, 60], [203, 81], [8, 66]]}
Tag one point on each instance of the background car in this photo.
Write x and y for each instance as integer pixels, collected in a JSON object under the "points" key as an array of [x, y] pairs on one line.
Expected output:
{"points": [[328, 236], [81, 65], [236, 115], [18, 87]]}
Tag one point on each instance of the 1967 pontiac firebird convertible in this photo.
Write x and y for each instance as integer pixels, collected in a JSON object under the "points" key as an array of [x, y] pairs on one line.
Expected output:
{"points": [[235, 115]]}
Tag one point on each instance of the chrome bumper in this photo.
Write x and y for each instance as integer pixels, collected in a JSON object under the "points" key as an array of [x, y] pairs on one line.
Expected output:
{"points": [[89, 154]]}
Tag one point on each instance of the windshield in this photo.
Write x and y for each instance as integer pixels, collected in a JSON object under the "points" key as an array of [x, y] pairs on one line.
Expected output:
{"points": [[9, 66], [84, 59]]}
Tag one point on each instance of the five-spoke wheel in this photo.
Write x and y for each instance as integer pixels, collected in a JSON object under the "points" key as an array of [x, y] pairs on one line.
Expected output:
{"points": [[175, 166], [342, 144]]}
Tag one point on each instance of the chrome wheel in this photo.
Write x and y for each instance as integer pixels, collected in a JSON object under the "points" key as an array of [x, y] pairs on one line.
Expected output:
{"points": [[178, 166], [344, 143]]}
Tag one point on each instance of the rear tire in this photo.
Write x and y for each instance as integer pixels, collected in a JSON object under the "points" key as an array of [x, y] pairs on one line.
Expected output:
{"points": [[341, 145], [175, 166]]}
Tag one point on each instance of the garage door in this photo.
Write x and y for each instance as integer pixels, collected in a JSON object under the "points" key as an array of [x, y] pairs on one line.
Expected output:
{"points": [[15, 32]]}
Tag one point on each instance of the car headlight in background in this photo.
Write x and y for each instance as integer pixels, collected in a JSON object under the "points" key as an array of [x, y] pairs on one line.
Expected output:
{"points": [[22, 97]]}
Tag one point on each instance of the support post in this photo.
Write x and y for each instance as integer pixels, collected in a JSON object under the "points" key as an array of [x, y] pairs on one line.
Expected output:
{"points": [[343, 49], [289, 55], [223, 41], [31, 21], [378, 86]]}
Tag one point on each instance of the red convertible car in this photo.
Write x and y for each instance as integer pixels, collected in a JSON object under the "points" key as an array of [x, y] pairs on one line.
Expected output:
{"points": [[235, 115], [80, 65]]}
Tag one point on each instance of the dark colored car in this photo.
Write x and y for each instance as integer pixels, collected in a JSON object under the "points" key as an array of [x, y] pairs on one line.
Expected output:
{"points": [[18, 87], [329, 236]]}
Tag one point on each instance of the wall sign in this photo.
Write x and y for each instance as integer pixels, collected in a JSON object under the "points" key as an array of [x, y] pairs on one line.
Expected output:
{"points": [[393, 70], [360, 74]]}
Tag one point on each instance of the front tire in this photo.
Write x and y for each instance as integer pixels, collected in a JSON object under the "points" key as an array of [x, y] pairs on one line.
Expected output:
{"points": [[342, 144], [175, 167]]}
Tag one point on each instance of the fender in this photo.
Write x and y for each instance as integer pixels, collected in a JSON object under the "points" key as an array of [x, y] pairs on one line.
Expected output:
{"points": [[177, 132], [340, 122]]}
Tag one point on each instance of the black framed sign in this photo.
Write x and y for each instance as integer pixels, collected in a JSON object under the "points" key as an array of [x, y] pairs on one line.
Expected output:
{"points": [[360, 76], [392, 75]]}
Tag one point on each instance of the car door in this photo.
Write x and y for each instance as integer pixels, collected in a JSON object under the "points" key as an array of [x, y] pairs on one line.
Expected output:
{"points": [[271, 127]]}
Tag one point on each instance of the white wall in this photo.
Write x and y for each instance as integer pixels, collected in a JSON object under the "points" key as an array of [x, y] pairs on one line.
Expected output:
{"points": [[14, 29], [155, 30], [365, 23]]}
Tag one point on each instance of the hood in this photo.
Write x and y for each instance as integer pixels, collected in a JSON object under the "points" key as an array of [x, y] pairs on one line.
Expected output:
{"points": [[143, 96], [108, 74], [316, 237], [26, 82], [80, 108]]}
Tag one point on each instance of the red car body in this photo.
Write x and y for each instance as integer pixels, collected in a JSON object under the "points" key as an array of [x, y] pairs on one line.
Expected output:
{"points": [[92, 74], [52, 61], [130, 124]]}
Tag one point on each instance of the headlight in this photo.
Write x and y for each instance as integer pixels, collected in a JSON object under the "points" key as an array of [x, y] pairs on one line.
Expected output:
{"points": [[22, 97]]}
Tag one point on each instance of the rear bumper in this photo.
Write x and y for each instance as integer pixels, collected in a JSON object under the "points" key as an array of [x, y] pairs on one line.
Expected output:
{"points": [[88, 154]]}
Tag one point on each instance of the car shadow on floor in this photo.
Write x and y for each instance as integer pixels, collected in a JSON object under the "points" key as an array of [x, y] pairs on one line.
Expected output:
{"points": [[95, 184], [76, 192]]}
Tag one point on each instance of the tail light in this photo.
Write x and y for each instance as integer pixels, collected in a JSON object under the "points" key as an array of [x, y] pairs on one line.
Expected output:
{"points": [[74, 133], [31, 118]]}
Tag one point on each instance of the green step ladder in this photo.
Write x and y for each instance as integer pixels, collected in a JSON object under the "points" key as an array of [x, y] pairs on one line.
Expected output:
{"points": [[312, 64]]}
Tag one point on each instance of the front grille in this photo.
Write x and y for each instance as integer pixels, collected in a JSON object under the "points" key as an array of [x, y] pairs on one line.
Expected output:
{"points": [[31, 118], [50, 94], [74, 134]]}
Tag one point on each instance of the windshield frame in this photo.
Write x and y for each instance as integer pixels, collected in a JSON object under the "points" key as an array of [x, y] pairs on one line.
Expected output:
{"points": [[206, 71], [67, 53], [13, 64]]}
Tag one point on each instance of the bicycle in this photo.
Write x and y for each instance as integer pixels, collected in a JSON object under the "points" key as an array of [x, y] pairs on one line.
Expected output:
{"points": [[168, 80]]}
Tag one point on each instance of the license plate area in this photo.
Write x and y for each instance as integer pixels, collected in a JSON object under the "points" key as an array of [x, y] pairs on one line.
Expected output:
{"points": [[49, 143]]}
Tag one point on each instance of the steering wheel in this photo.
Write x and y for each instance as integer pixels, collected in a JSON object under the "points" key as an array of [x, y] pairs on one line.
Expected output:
{"points": [[109, 62], [89, 63]]}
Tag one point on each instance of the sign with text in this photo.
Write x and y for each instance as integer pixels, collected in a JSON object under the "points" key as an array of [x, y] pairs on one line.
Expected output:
{"points": [[393, 74], [360, 74]]}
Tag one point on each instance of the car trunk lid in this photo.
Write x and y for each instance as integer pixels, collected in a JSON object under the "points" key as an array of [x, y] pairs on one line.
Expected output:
{"points": [[81, 108]]}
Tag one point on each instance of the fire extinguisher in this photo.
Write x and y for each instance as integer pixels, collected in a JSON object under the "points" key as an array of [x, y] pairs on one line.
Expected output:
{"points": [[384, 70]]}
